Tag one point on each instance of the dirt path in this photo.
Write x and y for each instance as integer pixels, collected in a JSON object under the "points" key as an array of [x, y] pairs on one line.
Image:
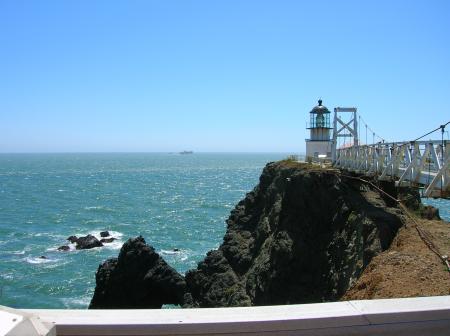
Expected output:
{"points": [[408, 268]]}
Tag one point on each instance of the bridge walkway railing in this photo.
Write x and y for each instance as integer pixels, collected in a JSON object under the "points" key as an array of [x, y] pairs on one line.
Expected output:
{"points": [[425, 163]]}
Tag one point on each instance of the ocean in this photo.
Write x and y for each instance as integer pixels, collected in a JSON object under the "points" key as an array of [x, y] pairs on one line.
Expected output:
{"points": [[178, 203]]}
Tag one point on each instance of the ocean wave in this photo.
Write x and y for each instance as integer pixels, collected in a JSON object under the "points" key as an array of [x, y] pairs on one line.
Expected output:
{"points": [[180, 255], [98, 208], [114, 234], [82, 302], [93, 221], [8, 276], [166, 252], [51, 235], [19, 252], [39, 260], [115, 245], [72, 247]]}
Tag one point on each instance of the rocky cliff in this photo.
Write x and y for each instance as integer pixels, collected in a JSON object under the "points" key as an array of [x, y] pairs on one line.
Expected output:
{"points": [[138, 278], [304, 234]]}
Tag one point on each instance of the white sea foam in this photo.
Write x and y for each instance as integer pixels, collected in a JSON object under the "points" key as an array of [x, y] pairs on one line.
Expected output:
{"points": [[168, 252], [18, 252], [72, 247], [181, 255], [39, 260], [82, 302], [98, 208], [115, 245], [7, 276], [92, 221], [115, 234]]}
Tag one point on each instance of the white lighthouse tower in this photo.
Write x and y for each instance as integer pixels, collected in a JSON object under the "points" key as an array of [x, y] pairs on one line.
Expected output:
{"points": [[319, 143]]}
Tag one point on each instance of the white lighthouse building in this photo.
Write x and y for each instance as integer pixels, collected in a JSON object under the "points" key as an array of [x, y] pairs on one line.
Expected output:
{"points": [[319, 144]]}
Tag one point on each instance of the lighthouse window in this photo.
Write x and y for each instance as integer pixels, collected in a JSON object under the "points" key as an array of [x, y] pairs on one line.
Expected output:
{"points": [[320, 121]]}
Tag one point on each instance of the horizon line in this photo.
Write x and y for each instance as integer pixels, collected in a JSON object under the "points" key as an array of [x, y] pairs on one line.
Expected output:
{"points": [[156, 152]]}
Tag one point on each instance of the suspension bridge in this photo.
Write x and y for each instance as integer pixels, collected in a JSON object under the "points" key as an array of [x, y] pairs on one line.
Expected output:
{"points": [[420, 163], [423, 164]]}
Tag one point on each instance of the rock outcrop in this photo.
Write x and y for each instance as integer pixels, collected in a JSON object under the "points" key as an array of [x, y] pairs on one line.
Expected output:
{"points": [[87, 242], [63, 248], [107, 240], [304, 234], [138, 278], [104, 234]]}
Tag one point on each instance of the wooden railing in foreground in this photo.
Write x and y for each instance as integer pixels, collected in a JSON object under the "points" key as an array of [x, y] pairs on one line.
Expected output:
{"points": [[410, 316]]}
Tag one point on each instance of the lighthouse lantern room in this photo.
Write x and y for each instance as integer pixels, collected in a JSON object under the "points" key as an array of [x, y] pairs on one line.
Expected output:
{"points": [[319, 143]]}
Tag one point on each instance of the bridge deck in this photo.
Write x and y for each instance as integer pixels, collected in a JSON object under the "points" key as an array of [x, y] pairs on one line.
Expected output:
{"points": [[420, 163]]}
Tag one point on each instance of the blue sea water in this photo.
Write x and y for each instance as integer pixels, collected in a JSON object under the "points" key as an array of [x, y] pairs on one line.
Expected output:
{"points": [[442, 204], [174, 201]]}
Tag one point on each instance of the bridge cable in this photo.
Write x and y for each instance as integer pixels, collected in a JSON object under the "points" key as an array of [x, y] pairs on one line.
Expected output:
{"points": [[366, 135], [359, 127], [423, 234], [370, 129], [439, 128]]}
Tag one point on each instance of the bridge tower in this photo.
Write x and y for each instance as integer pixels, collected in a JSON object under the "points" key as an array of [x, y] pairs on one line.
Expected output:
{"points": [[347, 128], [319, 144]]}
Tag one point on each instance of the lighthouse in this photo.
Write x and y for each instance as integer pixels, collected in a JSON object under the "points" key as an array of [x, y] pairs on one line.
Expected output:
{"points": [[319, 144]]}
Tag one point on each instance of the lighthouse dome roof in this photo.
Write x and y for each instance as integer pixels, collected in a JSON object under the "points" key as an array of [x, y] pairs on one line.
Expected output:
{"points": [[319, 108]]}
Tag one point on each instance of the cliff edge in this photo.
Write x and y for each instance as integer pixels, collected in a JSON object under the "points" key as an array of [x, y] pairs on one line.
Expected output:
{"points": [[304, 234]]}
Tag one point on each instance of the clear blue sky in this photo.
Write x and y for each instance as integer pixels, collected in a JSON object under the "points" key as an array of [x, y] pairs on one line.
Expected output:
{"points": [[215, 75]]}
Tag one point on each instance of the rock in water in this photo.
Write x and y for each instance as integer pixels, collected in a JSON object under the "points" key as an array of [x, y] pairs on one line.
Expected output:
{"points": [[72, 239], [87, 242], [138, 278], [104, 234], [107, 240], [430, 212], [64, 248]]}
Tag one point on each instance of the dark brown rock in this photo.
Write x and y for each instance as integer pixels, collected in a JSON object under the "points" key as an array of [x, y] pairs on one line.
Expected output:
{"points": [[138, 278], [429, 212], [64, 248], [107, 240], [302, 235], [72, 239], [104, 234], [87, 242]]}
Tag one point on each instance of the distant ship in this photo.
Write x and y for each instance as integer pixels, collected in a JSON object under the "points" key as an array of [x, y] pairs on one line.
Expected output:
{"points": [[186, 152]]}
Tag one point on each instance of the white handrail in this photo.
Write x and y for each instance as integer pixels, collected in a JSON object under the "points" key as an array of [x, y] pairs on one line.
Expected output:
{"points": [[420, 162], [410, 316]]}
